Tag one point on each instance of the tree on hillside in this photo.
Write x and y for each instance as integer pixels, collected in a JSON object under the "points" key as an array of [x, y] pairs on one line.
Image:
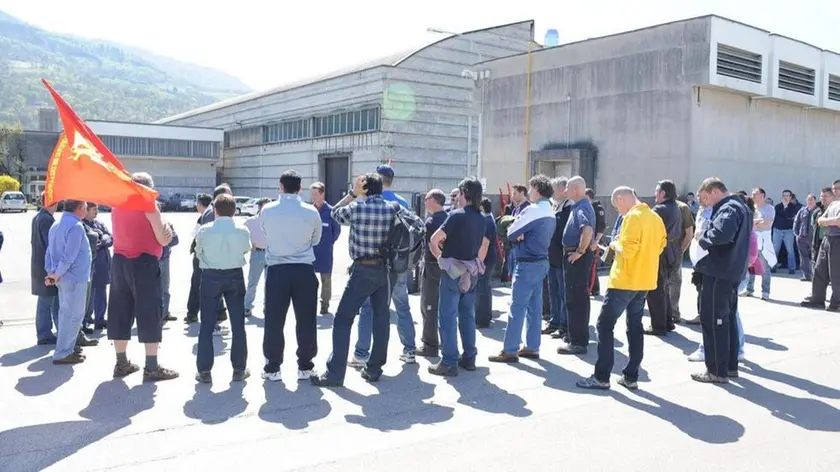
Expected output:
{"points": [[11, 152]]}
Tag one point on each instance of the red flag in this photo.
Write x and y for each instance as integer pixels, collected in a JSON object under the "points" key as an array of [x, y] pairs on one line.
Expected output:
{"points": [[83, 168]]}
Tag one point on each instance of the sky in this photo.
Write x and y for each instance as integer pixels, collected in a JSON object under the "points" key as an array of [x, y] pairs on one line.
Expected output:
{"points": [[267, 43]]}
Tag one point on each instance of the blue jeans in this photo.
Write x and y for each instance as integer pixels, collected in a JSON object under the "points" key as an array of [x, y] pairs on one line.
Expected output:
{"points": [[216, 284], [526, 304], [256, 267], [557, 295], [71, 312], [615, 303], [46, 315], [405, 324], [765, 279], [456, 312], [785, 236], [366, 283], [483, 299]]}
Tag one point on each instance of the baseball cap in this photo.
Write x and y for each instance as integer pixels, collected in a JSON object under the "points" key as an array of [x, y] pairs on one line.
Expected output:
{"points": [[385, 170]]}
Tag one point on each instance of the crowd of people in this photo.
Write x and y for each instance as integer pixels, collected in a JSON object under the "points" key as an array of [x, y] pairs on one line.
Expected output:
{"points": [[548, 242]]}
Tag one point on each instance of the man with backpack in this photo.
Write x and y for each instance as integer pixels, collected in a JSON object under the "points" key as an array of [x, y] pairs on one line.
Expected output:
{"points": [[399, 293], [372, 221]]}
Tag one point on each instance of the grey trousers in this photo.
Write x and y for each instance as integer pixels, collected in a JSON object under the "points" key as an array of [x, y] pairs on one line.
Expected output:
{"points": [[675, 286], [326, 292], [429, 294], [804, 247], [827, 271]]}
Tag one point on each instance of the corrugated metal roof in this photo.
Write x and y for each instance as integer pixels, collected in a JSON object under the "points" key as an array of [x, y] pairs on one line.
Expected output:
{"points": [[391, 60]]}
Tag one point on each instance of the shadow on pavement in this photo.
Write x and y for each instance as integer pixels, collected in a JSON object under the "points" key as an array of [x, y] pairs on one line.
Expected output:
{"points": [[803, 384], [220, 346], [24, 355], [766, 343], [486, 396], [325, 321], [496, 331], [216, 408], [294, 410], [37, 447], [677, 340], [712, 429], [397, 409], [807, 413], [51, 377]]}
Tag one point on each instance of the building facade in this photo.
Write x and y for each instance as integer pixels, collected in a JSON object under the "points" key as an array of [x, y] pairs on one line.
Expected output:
{"points": [[414, 109], [182, 160], [682, 101]]}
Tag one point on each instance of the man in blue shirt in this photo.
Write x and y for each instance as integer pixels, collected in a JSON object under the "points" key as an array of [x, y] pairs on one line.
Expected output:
{"points": [[533, 229], [292, 228], [483, 293], [68, 263], [577, 244], [330, 231], [430, 291], [405, 323], [460, 247]]}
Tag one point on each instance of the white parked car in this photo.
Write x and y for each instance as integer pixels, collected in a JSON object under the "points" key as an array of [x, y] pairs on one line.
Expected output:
{"points": [[12, 201], [186, 204], [250, 208], [240, 202]]}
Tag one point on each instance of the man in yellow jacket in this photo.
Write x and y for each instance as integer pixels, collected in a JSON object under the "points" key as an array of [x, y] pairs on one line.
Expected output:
{"points": [[638, 246]]}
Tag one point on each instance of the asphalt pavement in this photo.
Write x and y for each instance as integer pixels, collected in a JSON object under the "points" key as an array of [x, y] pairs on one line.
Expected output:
{"points": [[782, 414]]}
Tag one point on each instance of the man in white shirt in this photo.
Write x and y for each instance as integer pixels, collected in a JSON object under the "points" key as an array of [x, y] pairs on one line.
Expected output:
{"points": [[256, 263], [763, 227]]}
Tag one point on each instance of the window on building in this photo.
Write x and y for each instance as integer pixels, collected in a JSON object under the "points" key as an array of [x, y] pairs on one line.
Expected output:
{"points": [[738, 63], [834, 87], [797, 78]]}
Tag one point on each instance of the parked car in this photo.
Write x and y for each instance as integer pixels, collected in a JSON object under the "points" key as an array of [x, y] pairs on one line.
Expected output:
{"points": [[250, 208], [240, 201], [185, 202], [12, 201]]}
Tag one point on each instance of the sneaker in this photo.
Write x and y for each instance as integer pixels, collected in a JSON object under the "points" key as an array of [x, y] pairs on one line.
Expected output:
{"points": [[697, 356], [73, 358], [592, 383], [504, 357], [220, 330], [367, 375], [123, 370], [427, 351], [408, 357], [765, 297], [162, 373], [324, 381], [706, 377], [357, 363], [240, 375], [443, 370], [628, 384], [467, 364], [306, 374], [204, 377], [529, 354], [271, 376]]}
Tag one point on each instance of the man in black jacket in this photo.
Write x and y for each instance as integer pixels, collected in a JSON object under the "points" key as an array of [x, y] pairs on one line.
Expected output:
{"points": [[208, 215], [659, 300], [559, 321], [600, 227], [727, 240], [46, 311]]}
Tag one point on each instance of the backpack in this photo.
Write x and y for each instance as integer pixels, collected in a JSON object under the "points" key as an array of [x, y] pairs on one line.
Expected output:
{"points": [[402, 249]]}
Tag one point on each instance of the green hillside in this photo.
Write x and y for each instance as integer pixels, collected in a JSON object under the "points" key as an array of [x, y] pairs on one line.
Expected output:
{"points": [[102, 81]]}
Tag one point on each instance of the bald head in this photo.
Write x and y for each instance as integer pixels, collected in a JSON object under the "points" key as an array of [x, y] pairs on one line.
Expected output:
{"points": [[623, 199], [576, 188]]}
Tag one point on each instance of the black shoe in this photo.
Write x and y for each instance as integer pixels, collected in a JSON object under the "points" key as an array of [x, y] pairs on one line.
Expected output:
{"points": [[204, 377], [427, 351], [810, 303], [467, 364], [805, 279], [325, 310], [773, 270], [656, 332], [83, 341], [323, 381], [240, 375], [101, 326], [732, 374], [693, 321], [832, 308], [189, 319], [223, 316], [73, 358], [443, 370], [571, 349], [482, 325], [162, 373], [169, 317], [370, 377], [48, 341], [87, 330], [549, 329], [546, 316], [123, 370], [560, 334]]}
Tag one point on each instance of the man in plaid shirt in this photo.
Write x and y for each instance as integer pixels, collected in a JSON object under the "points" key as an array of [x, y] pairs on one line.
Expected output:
{"points": [[370, 218]]}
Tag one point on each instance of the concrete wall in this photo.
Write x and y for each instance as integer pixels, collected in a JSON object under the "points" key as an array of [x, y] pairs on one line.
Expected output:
{"points": [[763, 143], [428, 104], [629, 94], [175, 175]]}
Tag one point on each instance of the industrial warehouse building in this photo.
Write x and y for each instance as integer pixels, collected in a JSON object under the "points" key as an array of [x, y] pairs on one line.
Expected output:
{"points": [[683, 101], [182, 160], [414, 108]]}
